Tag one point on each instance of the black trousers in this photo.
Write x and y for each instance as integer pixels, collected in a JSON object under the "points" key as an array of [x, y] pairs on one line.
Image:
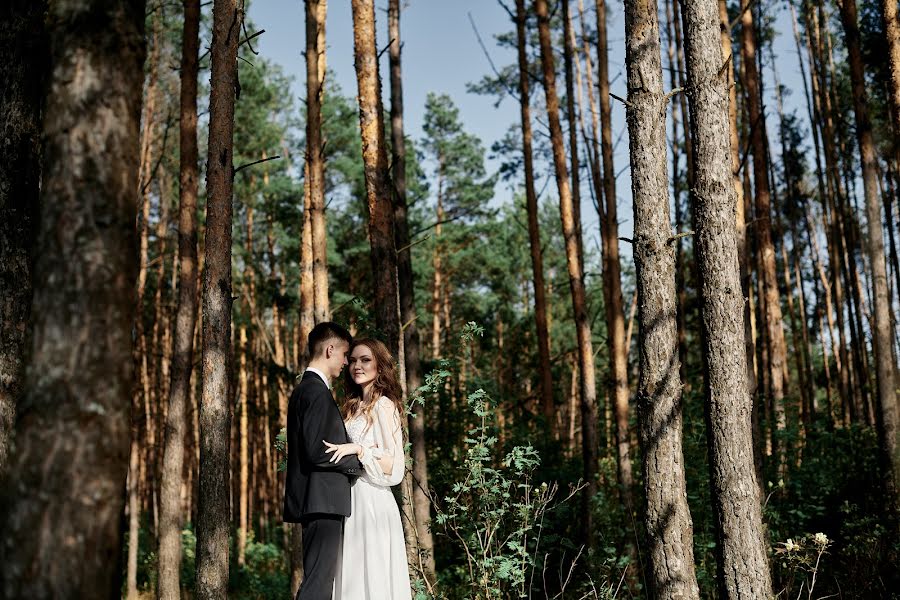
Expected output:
{"points": [[322, 535]]}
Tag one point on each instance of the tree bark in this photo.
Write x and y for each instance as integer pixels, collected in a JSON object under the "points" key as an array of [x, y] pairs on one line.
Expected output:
{"points": [[667, 518], [576, 281], [615, 311], [172, 513], [743, 571], [315, 153], [881, 332], [214, 520], [417, 478], [385, 297], [22, 72], [63, 499], [531, 207]]}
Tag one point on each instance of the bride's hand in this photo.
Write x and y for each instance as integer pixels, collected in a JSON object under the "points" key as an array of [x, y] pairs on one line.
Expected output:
{"points": [[341, 450]]}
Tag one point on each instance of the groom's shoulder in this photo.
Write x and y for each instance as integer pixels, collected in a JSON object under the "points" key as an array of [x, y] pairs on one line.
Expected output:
{"points": [[310, 386]]}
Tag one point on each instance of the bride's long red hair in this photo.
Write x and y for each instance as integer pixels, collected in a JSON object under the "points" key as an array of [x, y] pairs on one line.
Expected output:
{"points": [[387, 382]]}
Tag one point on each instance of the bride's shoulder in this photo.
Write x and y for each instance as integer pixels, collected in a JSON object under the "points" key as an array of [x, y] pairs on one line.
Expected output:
{"points": [[385, 403]]}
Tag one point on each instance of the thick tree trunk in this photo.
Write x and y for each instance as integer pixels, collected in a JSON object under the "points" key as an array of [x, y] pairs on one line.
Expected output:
{"points": [[22, 72], [315, 155], [172, 513], [777, 347], [882, 341], [385, 297], [63, 501], [667, 518], [576, 280], [214, 520], [615, 311], [416, 482], [743, 571], [531, 207]]}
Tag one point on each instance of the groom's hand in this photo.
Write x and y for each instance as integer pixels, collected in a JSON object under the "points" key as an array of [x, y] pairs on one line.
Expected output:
{"points": [[339, 451]]}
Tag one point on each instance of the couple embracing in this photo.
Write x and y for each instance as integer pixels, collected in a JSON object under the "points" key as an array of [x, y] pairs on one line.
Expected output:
{"points": [[340, 469]]}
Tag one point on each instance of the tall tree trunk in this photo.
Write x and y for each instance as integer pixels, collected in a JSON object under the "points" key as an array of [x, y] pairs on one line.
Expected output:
{"points": [[385, 299], [213, 524], [881, 332], [777, 347], [531, 207], [172, 513], [22, 72], [62, 504], [315, 153], [615, 311], [571, 120], [576, 281], [243, 449], [743, 571], [667, 518], [416, 481], [891, 26]]}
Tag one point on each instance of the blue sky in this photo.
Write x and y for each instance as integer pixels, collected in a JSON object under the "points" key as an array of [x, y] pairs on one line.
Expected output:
{"points": [[441, 54]]}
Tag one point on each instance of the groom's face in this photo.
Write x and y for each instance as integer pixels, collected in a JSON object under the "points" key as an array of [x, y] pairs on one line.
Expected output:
{"points": [[336, 356]]}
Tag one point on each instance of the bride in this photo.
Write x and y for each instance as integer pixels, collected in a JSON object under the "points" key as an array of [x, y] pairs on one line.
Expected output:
{"points": [[373, 562]]}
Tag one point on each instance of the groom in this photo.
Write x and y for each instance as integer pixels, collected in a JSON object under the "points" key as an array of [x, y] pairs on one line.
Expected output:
{"points": [[316, 491]]}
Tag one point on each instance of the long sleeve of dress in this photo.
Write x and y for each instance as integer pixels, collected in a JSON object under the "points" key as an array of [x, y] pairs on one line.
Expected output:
{"points": [[388, 433]]}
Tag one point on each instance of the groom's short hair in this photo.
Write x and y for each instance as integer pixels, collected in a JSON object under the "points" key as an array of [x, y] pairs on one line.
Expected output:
{"points": [[323, 333]]}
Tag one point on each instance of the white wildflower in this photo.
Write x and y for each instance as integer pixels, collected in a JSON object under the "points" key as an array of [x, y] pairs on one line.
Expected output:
{"points": [[821, 539]]}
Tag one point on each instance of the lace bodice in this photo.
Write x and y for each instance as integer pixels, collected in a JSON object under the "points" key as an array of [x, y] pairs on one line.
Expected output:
{"points": [[382, 442], [358, 432]]}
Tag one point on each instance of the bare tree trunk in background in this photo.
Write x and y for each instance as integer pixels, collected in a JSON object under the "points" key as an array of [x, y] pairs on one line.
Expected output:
{"points": [[576, 277], [667, 518], [23, 71], [882, 341], [315, 153], [534, 234], [743, 570], [769, 275], [172, 513], [415, 484], [615, 311], [385, 299], [243, 450], [63, 499], [571, 120], [213, 522]]}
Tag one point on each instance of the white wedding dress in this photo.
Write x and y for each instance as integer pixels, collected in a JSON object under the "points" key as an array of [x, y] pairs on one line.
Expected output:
{"points": [[373, 559]]}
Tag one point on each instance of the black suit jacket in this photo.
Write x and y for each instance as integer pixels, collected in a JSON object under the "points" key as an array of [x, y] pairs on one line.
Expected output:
{"points": [[314, 485]]}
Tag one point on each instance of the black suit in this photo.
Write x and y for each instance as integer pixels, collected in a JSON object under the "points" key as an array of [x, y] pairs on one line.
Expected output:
{"points": [[317, 492]]}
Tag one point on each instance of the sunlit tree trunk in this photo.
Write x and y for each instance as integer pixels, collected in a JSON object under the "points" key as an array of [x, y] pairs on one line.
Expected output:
{"points": [[385, 297], [667, 518], [63, 499], [172, 513], [315, 156], [531, 206], [576, 281], [881, 332], [743, 571], [213, 524], [243, 450]]}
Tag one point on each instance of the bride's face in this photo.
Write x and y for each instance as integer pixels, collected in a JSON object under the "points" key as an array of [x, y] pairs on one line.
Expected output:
{"points": [[363, 367]]}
